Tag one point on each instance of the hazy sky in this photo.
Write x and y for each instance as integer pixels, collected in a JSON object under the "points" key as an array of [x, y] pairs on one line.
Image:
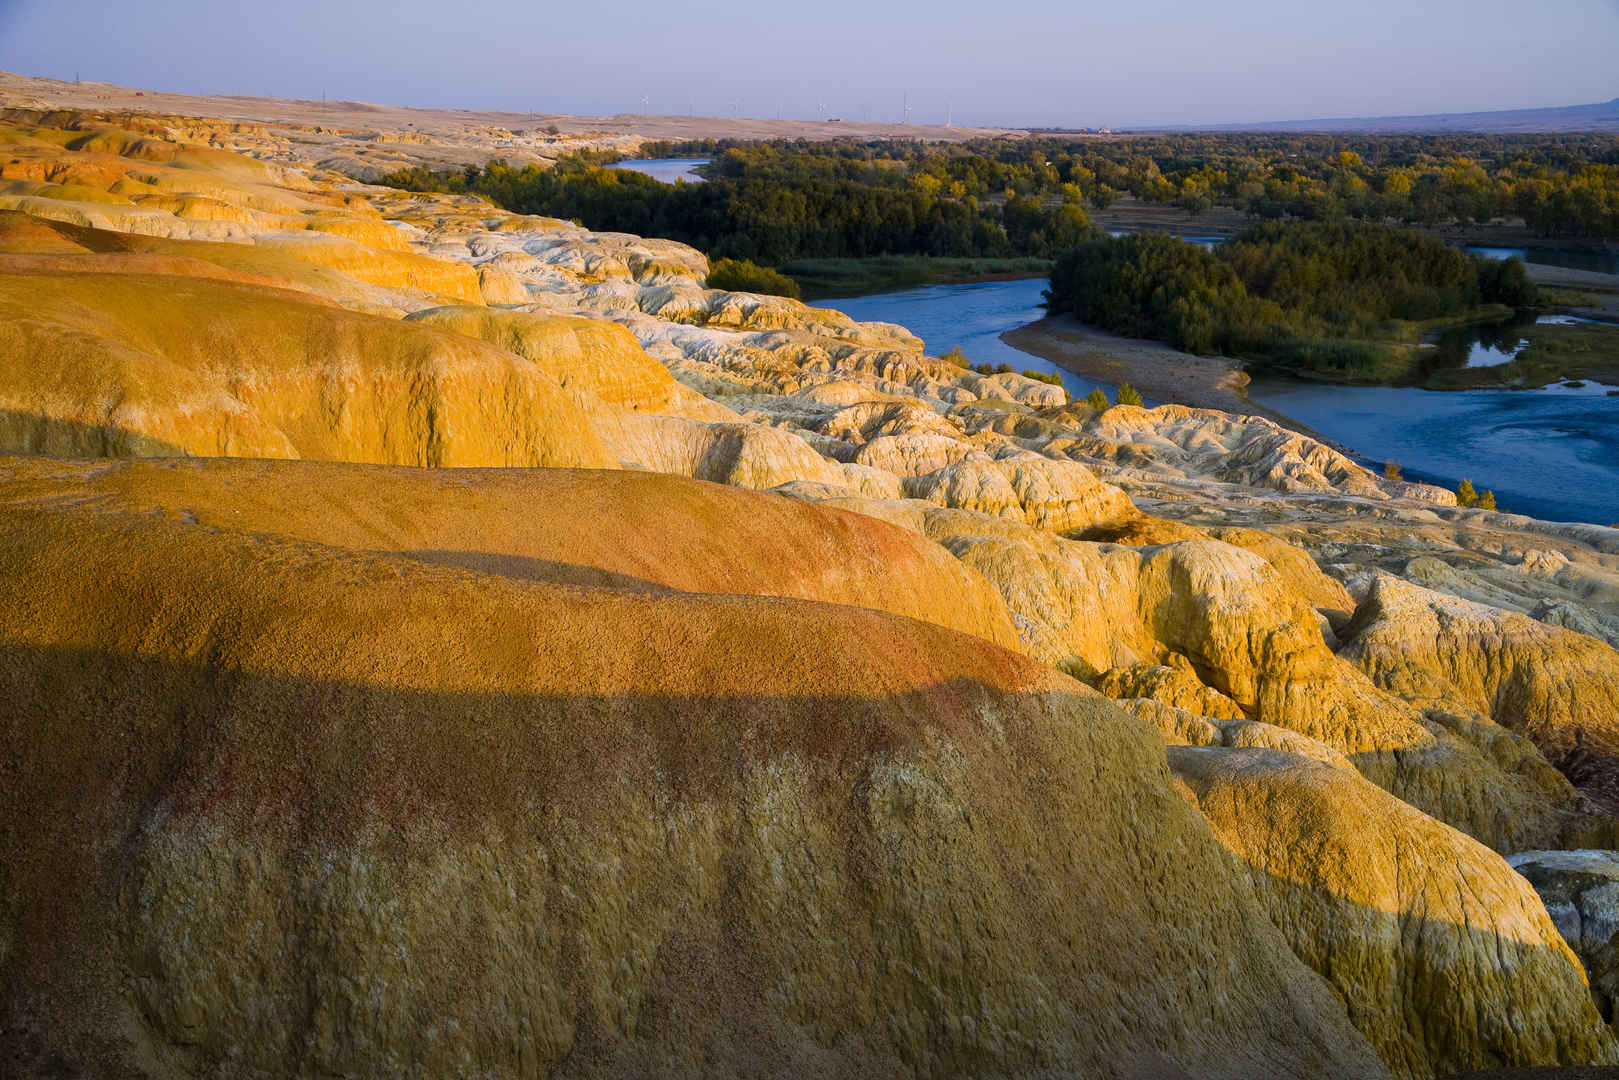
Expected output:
{"points": [[1037, 62]]}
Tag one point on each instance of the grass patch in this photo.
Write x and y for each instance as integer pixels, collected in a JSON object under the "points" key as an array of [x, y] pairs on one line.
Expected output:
{"points": [[1579, 351], [1567, 298], [822, 278]]}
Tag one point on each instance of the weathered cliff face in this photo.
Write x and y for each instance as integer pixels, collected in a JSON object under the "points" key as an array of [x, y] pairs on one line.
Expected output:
{"points": [[1581, 892], [1404, 916], [286, 806], [150, 365], [713, 801], [624, 530], [1555, 686]]}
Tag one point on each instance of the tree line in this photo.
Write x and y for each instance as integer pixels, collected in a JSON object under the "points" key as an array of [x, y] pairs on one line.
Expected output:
{"points": [[808, 205], [1342, 299], [1560, 185], [775, 202]]}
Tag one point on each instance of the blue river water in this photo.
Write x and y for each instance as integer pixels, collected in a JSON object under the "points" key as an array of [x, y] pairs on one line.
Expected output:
{"points": [[1596, 261], [1551, 453], [666, 169], [971, 317]]}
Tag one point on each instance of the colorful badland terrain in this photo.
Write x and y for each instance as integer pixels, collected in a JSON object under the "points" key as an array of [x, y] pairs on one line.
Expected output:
{"points": [[443, 642]]}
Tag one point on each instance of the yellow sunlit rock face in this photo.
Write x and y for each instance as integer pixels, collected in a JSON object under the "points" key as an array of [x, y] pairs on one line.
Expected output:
{"points": [[437, 641]]}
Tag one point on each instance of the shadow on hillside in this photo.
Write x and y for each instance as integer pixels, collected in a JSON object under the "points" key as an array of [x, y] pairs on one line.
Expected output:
{"points": [[48, 436], [105, 755], [527, 568]]}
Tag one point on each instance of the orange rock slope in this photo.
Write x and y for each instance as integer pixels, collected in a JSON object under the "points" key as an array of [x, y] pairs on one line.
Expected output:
{"points": [[282, 806], [565, 762]]}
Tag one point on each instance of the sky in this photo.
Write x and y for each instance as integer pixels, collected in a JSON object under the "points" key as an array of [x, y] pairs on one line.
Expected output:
{"points": [[1032, 63]]}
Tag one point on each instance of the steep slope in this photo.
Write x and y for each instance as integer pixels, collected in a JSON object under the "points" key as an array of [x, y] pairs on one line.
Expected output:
{"points": [[626, 530], [1405, 917], [600, 358], [1221, 632], [134, 364], [280, 807], [1555, 686]]}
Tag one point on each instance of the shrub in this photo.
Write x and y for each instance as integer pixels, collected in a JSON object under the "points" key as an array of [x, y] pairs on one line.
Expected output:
{"points": [[955, 356], [1466, 494], [1486, 501], [1128, 395], [744, 275], [1097, 400], [1049, 377], [1507, 281], [1391, 471]]}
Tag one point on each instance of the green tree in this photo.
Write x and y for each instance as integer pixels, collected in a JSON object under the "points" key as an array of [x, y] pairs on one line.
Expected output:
{"points": [[742, 275], [1466, 494], [1097, 400], [1391, 471], [1486, 501], [1128, 395]]}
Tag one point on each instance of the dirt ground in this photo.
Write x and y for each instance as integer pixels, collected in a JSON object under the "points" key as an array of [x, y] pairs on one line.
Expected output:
{"points": [[1152, 367]]}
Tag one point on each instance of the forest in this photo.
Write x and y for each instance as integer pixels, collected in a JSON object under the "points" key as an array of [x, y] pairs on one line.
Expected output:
{"points": [[1558, 185], [759, 208], [780, 202], [1343, 300]]}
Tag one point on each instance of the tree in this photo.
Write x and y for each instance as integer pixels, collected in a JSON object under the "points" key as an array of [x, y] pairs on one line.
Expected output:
{"points": [[1507, 281], [1486, 501], [734, 275], [1097, 400], [1466, 494], [1128, 395], [1391, 471]]}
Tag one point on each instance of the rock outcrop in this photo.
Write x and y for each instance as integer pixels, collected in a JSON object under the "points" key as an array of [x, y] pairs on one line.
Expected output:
{"points": [[633, 531], [128, 364], [1581, 892], [1405, 917], [438, 819], [1555, 686], [610, 770]]}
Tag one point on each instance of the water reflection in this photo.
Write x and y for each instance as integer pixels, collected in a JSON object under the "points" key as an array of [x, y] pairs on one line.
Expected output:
{"points": [[666, 169]]}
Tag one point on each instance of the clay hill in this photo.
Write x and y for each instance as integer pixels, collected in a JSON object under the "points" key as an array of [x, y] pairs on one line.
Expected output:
{"points": [[436, 641]]}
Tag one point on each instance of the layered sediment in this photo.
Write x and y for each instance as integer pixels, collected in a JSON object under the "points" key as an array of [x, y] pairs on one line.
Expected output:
{"points": [[595, 673]]}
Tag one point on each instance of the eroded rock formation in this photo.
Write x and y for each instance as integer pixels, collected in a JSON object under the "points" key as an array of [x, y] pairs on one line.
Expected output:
{"points": [[609, 770]]}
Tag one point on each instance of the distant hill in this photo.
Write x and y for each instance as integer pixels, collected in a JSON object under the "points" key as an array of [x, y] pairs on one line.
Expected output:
{"points": [[1603, 117]]}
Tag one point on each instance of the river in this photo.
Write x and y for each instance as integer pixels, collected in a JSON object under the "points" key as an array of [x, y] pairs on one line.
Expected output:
{"points": [[972, 317], [666, 169], [1551, 453], [1599, 262]]}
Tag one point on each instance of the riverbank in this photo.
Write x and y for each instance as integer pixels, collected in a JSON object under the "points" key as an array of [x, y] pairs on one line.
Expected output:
{"points": [[1557, 352], [1155, 369], [1159, 372], [1586, 292]]}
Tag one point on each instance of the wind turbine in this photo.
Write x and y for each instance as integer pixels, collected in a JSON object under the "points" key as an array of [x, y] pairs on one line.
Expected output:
{"points": [[907, 106], [645, 105]]}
